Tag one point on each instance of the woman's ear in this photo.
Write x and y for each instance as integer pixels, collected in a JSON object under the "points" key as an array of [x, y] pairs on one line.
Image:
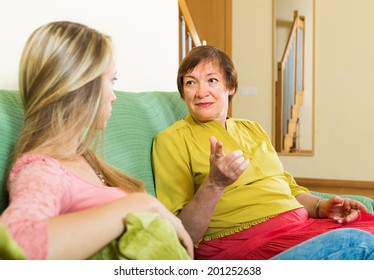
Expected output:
{"points": [[231, 91]]}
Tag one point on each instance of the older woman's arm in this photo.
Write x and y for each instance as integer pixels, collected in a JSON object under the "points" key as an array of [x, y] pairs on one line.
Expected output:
{"points": [[342, 210], [224, 170]]}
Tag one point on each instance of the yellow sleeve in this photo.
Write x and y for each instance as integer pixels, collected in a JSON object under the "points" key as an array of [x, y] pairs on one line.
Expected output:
{"points": [[295, 188], [172, 172]]}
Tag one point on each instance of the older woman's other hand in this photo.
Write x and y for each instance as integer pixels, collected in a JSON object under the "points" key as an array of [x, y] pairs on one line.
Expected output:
{"points": [[342, 210], [225, 169], [183, 236]]}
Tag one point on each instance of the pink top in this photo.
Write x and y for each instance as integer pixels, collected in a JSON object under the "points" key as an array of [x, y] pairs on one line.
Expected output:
{"points": [[41, 188]]}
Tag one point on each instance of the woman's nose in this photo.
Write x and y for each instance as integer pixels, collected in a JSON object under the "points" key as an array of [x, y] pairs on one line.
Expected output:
{"points": [[202, 90]]}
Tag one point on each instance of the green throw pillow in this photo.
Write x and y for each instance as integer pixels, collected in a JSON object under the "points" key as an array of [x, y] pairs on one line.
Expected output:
{"points": [[147, 237], [9, 249]]}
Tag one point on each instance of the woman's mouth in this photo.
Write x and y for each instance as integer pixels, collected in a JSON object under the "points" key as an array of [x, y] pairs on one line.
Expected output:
{"points": [[204, 104]]}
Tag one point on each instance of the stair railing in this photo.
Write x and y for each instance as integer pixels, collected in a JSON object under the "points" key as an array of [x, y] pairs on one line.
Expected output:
{"points": [[290, 89], [188, 34]]}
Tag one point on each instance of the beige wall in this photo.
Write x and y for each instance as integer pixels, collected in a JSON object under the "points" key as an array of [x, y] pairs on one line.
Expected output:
{"points": [[344, 84]]}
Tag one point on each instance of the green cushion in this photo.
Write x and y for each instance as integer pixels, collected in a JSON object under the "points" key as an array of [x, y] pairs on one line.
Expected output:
{"points": [[11, 120], [147, 237], [136, 119], [9, 249]]}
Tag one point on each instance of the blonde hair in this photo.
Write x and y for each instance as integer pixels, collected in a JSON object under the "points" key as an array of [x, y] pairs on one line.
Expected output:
{"points": [[60, 85]]}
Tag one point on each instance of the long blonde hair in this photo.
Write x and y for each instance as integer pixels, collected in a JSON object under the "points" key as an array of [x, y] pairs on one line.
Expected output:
{"points": [[60, 85]]}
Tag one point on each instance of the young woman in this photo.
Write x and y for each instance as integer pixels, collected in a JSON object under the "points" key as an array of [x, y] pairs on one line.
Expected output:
{"points": [[63, 196]]}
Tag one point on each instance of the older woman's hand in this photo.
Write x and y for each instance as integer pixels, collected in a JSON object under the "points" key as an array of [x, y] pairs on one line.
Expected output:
{"points": [[342, 210], [225, 169]]}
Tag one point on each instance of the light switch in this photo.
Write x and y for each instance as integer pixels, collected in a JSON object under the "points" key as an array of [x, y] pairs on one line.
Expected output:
{"points": [[248, 91]]}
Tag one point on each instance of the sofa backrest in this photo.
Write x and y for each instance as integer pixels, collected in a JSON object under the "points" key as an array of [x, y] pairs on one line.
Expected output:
{"points": [[136, 119], [11, 120]]}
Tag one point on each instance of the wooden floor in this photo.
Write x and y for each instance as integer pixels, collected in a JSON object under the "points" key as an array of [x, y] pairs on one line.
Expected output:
{"points": [[365, 188]]}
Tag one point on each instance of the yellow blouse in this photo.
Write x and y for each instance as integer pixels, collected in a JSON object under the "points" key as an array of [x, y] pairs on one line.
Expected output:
{"points": [[181, 162]]}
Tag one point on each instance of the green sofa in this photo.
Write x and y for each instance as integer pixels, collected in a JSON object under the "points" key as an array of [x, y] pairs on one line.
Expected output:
{"points": [[136, 119]]}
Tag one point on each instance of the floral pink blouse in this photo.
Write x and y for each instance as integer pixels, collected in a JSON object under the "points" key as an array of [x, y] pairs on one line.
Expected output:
{"points": [[40, 188]]}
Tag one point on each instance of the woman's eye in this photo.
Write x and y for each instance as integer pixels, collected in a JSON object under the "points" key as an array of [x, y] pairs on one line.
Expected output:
{"points": [[213, 80], [114, 80], [188, 83]]}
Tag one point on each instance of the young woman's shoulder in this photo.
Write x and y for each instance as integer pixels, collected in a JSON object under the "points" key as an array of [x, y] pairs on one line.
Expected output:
{"points": [[33, 160], [37, 170]]}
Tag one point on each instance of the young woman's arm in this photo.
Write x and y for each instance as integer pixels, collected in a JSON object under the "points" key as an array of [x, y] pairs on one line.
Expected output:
{"points": [[38, 197], [81, 234]]}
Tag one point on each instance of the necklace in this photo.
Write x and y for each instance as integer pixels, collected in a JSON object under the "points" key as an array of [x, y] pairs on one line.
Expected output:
{"points": [[86, 165], [101, 177]]}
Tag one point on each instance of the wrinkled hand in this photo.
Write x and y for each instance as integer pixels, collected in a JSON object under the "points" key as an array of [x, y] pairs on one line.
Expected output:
{"points": [[225, 169], [342, 210], [184, 237]]}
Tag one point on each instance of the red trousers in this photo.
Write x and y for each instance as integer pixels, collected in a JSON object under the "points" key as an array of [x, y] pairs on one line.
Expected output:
{"points": [[265, 240]]}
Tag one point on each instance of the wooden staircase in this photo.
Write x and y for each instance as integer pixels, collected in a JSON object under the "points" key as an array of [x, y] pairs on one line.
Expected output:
{"points": [[290, 89], [188, 34], [292, 136]]}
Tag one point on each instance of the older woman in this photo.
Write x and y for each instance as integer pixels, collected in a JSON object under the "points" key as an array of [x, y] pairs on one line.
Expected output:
{"points": [[224, 180]]}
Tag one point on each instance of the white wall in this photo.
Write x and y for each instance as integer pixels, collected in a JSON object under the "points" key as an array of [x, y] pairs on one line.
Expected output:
{"points": [[145, 35]]}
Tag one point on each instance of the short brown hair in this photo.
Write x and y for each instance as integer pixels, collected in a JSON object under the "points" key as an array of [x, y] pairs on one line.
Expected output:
{"points": [[208, 53]]}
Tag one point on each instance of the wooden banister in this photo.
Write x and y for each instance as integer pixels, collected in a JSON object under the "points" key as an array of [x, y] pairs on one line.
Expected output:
{"points": [[189, 22], [290, 88]]}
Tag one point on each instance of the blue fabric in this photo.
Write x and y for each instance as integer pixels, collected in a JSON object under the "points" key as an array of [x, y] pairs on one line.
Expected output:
{"points": [[340, 244]]}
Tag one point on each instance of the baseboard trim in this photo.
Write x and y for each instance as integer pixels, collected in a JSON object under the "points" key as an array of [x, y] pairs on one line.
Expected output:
{"points": [[335, 186]]}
